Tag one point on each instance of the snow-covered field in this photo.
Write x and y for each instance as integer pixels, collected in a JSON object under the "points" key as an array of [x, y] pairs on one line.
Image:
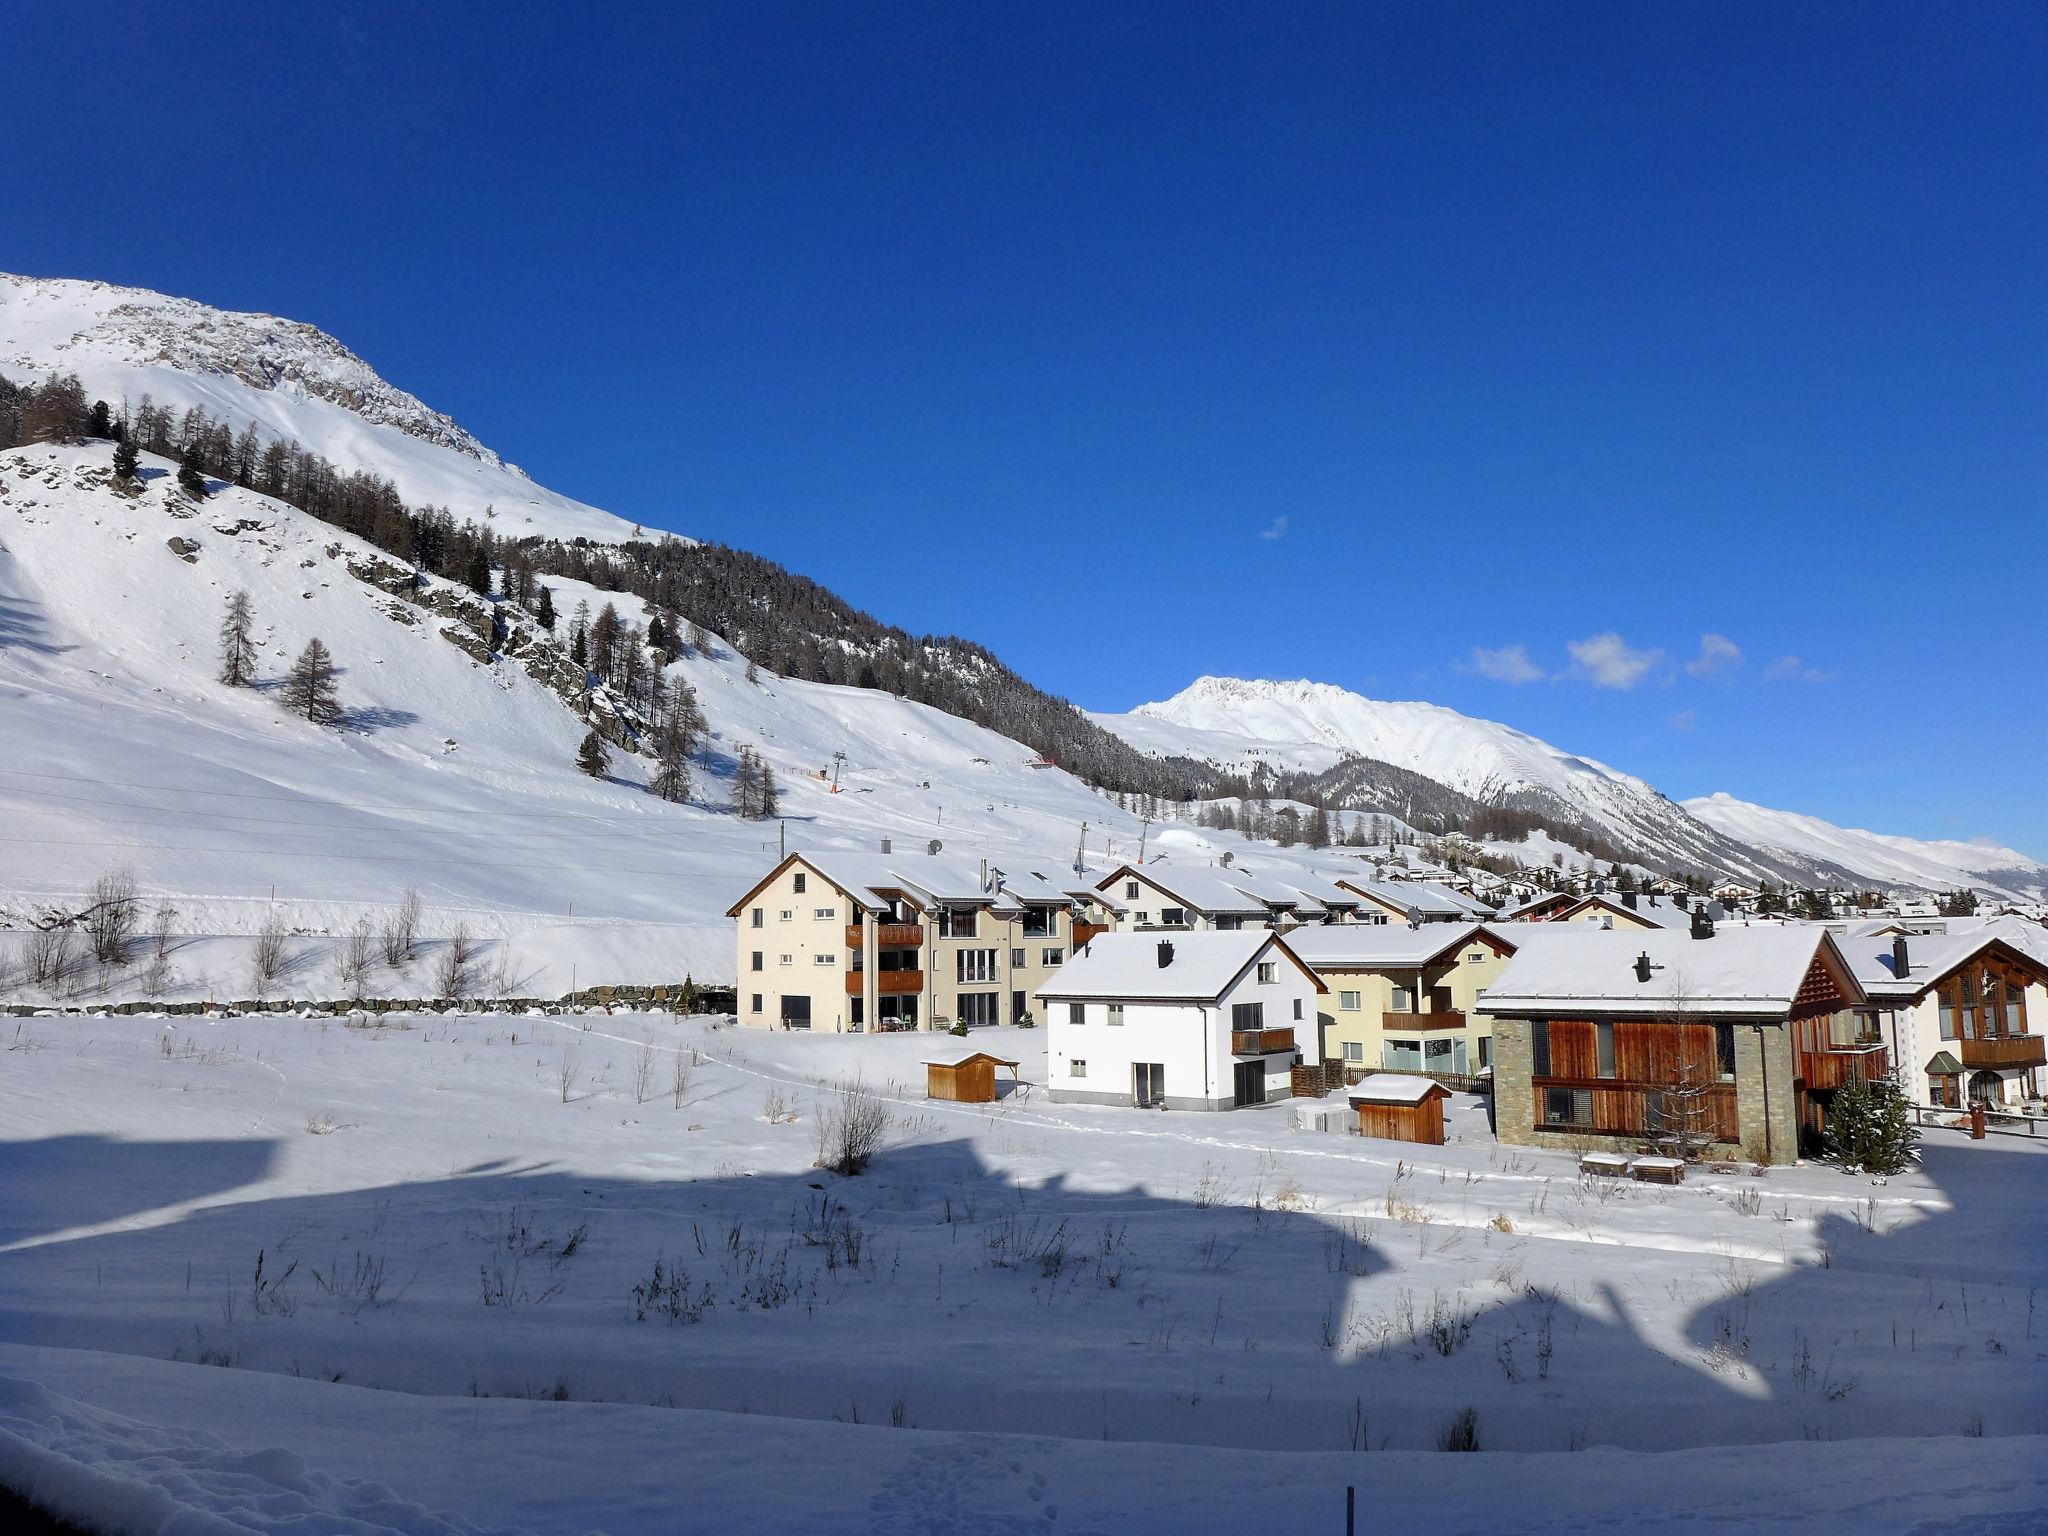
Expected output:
{"points": [[281, 1266]]}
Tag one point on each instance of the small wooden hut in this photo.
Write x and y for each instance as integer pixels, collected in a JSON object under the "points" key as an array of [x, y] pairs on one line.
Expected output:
{"points": [[1397, 1107], [966, 1077]]}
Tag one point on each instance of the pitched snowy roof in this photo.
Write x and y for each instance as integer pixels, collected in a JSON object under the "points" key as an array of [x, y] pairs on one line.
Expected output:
{"points": [[1202, 965], [1657, 911], [1368, 946], [1422, 895], [1540, 900], [1869, 949], [1751, 972], [1208, 891], [961, 1057], [931, 879], [1393, 1088]]}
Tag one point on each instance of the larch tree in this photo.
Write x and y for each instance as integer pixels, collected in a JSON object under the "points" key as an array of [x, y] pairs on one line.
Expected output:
{"points": [[237, 642], [309, 687], [593, 757]]}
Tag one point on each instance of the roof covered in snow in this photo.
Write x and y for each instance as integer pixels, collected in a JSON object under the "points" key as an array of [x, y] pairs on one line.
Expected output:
{"points": [[1870, 948], [1200, 966], [1752, 972], [1367, 946], [1393, 1088]]}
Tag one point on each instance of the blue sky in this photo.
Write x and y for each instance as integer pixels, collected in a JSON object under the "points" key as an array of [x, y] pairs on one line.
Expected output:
{"points": [[1496, 355]]}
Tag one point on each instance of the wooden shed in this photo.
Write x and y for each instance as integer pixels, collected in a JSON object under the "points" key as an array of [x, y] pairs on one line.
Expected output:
{"points": [[967, 1077], [1397, 1107]]}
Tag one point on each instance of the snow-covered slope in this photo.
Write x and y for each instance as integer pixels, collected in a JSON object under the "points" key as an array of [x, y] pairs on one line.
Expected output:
{"points": [[122, 747], [1878, 856], [1309, 726], [289, 379]]}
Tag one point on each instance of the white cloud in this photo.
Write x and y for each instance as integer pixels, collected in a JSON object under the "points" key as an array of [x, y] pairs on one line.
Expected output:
{"points": [[1505, 664], [1277, 529], [1608, 661], [1790, 669], [1718, 654], [1684, 720]]}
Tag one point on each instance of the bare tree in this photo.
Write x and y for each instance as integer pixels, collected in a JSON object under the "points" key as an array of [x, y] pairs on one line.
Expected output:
{"points": [[238, 643], [1681, 1121], [643, 1072], [451, 972], [309, 686], [110, 916], [401, 931], [569, 1071], [266, 961], [679, 1076], [156, 979], [850, 1127], [356, 958], [52, 956]]}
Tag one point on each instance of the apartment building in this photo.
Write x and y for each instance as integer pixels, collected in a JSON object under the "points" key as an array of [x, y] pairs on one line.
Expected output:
{"points": [[851, 942], [1209, 1019], [1403, 999]]}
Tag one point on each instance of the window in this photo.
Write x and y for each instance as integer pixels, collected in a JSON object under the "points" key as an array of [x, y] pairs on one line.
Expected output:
{"points": [[977, 1010], [1017, 958], [1173, 917], [1269, 972], [1403, 1001], [756, 965], [825, 914], [1354, 1050], [1568, 1107], [1077, 1013], [957, 922], [1247, 1015], [1297, 1007], [1348, 1002], [825, 958], [797, 882], [1402, 1055], [754, 1003], [784, 959], [1144, 918], [1077, 1068], [974, 965], [1039, 923], [759, 916], [1603, 1050], [1116, 1014], [1475, 956], [1485, 1051], [1539, 1048], [1130, 890], [1052, 955], [1724, 1051], [785, 914]]}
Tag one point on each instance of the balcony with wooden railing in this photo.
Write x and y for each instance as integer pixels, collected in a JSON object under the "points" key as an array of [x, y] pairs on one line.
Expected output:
{"points": [[1083, 932], [888, 935], [2002, 1051], [887, 983], [1837, 1065], [1260, 1042], [1408, 1022]]}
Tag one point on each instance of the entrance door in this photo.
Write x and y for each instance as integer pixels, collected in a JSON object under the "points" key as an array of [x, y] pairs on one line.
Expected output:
{"points": [[1249, 1081], [1018, 1007], [1148, 1083]]}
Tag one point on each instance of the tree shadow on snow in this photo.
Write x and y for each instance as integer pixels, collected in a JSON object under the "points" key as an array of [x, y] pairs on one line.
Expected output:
{"points": [[75, 1181]]}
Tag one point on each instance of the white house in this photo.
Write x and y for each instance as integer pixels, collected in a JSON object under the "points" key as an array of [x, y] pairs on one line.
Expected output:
{"points": [[1200, 1020]]}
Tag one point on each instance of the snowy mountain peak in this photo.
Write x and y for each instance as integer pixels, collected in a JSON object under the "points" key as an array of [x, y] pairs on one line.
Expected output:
{"points": [[47, 322]]}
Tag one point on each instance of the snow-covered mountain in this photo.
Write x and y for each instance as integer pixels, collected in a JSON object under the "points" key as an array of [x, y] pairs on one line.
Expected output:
{"points": [[1311, 726], [1877, 856], [289, 379]]}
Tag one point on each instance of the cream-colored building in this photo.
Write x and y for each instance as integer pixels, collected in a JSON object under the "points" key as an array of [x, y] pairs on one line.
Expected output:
{"points": [[850, 942], [1403, 999]]}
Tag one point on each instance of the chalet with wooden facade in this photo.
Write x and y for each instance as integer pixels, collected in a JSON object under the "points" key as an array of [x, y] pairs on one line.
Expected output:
{"points": [[855, 942], [1950, 1004], [1403, 999], [1703, 1037], [1201, 1020]]}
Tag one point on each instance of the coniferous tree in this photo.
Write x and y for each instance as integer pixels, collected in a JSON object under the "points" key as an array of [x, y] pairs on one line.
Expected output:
{"points": [[101, 422], [657, 636], [191, 480], [770, 803], [478, 575], [593, 757], [309, 686], [544, 610], [579, 648], [126, 461], [237, 643]]}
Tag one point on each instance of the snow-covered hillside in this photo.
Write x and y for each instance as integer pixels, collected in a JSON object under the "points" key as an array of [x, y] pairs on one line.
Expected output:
{"points": [[1890, 860], [1308, 726], [124, 748], [289, 379]]}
